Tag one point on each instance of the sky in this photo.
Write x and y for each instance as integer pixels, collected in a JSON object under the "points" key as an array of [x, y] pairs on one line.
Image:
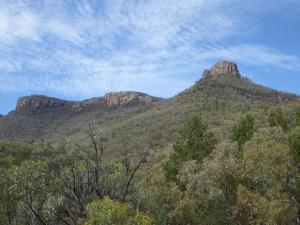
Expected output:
{"points": [[81, 49]]}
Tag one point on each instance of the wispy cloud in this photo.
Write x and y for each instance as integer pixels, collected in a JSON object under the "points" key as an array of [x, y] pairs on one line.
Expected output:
{"points": [[90, 47]]}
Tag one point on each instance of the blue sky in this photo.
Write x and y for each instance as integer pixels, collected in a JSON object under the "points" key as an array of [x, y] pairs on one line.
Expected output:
{"points": [[80, 49]]}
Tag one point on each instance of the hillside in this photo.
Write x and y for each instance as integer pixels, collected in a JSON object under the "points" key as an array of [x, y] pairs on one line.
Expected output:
{"points": [[220, 97]]}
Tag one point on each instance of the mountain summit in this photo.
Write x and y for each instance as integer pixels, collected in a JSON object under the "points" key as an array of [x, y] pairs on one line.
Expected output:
{"points": [[223, 68]]}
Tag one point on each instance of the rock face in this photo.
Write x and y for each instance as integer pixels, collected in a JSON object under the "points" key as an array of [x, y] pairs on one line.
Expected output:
{"points": [[128, 98], [86, 104], [40, 102], [34, 102], [223, 68]]}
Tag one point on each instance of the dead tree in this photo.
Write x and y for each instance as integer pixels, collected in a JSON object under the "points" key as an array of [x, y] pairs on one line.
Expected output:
{"points": [[98, 149], [131, 170]]}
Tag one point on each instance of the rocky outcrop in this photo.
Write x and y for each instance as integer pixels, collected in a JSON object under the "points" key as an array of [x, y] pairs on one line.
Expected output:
{"points": [[223, 68], [34, 102], [128, 98], [40, 102], [88, 104]]}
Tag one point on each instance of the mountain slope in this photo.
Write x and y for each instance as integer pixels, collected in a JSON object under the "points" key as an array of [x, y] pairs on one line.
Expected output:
{"points": [[49, 118], [220, 98]]}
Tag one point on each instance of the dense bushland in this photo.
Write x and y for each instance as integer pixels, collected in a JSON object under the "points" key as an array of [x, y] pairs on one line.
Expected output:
{"points": [[249, 177]]}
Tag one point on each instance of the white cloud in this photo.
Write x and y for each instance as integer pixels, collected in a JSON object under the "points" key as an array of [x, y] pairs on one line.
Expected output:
{"points": [[81, 47], [14, 25], [252, 54]]}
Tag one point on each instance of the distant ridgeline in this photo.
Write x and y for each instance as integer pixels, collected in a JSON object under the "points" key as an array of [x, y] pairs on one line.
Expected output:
{"points": [[219, 97], [114, 99]]}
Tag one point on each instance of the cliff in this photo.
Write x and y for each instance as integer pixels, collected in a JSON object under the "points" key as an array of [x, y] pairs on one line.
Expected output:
{"points": [[114, 99], [223, 68]]}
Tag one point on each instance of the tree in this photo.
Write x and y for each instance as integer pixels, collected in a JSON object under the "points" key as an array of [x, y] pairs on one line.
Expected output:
{"points": [[277, 118], [195, 143], [77, 186], [265, 174], [31, 193], [297, 116], [13, 153], [108, 212], [243, 131], [97, 143], [8, 200], [154, 194], [203, 200], [87, 177], [274, 208], [294, 140]]}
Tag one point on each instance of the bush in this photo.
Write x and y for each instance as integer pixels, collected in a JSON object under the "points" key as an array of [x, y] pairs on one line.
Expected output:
{"points": [[194, 143], [108, 212], [243, 130]]}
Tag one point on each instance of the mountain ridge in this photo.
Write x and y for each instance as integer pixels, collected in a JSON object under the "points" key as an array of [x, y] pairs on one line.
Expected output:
{"points": [[220, 99], [111, 99]]}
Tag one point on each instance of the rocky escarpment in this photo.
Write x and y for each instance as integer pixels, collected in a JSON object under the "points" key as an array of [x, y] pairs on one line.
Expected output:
{"points": [[128, 98], [222, 68], [35, 102], [114, 99]]}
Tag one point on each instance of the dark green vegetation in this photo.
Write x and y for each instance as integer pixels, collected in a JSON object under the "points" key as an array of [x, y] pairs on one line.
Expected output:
{"points": [[193, 137], [225, 151], [243, 131]]}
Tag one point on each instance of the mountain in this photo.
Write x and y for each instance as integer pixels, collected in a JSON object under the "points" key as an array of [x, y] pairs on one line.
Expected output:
{"points": [[220, 97], [50, 118], [110, 100]]}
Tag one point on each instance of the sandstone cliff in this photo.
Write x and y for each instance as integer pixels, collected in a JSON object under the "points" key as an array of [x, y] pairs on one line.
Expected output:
{"points": [[34, 102], [114, 99], [125, 98], [223, 68]]}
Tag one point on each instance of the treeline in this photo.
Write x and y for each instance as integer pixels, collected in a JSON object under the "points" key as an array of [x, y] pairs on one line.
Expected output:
{"points": [[252, 177]]}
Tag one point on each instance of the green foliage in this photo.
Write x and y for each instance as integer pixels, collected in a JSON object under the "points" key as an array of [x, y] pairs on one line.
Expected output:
{"points": [[261, 197], [297, 116], [195, 143], [108, 212], [277, 118], [274, 208], [294, 138], [113, 180], [155, 195], [203, 200], [269, 133], [13, 153], [294, 188], [266, 163], [30, 189], [243, 131]]}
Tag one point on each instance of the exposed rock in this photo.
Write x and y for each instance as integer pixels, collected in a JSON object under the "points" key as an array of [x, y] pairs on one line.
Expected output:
{"points": [[86, 104], [128, 98], [34, 102], [223, 68], [39, 102]]}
